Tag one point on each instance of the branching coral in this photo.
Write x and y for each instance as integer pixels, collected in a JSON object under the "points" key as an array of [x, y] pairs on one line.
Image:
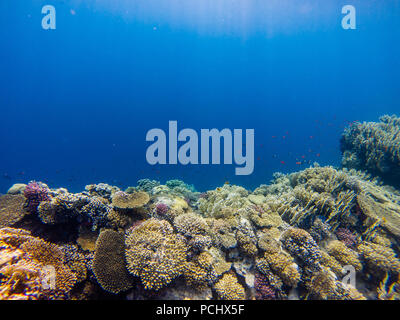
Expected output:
{"points": [[154, 253], [109, 264], [225, 201], [102, 190]]}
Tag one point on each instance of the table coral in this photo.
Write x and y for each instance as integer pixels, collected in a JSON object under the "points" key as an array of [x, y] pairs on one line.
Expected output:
{"points": [[134, 200]]}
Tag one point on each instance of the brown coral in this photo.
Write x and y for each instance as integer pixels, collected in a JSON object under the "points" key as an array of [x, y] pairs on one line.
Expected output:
{"points": [[344, 255], [379, 258], [280, 264], [134, 200], [11, 209], [109, 264]]}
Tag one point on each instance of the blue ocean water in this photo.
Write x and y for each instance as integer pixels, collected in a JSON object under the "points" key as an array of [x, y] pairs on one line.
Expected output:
{"points": [[76, 102]]}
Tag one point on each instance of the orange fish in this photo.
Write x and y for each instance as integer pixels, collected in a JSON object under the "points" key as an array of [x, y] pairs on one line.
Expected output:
{"points": [[318, 155], [298, 162], [282, 162]]}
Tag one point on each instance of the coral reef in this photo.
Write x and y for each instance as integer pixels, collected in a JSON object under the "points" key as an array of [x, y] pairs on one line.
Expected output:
{"points": [[319, 233], [374, 147]]}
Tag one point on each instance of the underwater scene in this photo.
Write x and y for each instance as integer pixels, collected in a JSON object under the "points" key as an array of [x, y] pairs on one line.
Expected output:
{"points": [[200, 150]]}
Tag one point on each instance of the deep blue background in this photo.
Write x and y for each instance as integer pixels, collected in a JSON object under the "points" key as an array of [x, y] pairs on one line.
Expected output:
{"points": [[76, 102]]}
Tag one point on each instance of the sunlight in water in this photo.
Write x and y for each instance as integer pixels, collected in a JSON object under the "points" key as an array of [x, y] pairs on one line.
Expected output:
{"points": [[223, 17]]}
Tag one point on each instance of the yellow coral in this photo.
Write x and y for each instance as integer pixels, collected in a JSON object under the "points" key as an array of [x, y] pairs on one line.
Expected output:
{"points": [[282, 265], [344, 255], [379, 258], [134, 200], [25, 267], [228, 288], [155, 254]]}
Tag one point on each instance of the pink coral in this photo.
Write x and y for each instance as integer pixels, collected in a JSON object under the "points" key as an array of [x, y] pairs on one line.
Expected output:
{"points": [[35, 193], [345, 235], [264, 290], [162, 208]]}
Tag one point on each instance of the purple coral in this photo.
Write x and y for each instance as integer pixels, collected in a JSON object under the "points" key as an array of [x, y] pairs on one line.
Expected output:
{"points": [[162, 208], [346, 236], [35, 193], [264, 290]]}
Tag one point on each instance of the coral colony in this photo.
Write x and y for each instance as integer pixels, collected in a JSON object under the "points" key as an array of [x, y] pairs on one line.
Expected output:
{"points": [[320, 233]]}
